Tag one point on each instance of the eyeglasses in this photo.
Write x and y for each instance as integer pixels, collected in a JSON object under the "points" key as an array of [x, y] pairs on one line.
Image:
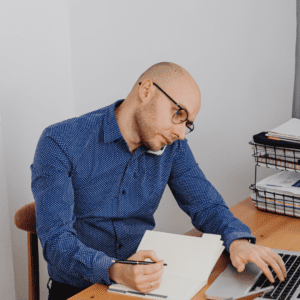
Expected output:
{"points": [[180, 115]]}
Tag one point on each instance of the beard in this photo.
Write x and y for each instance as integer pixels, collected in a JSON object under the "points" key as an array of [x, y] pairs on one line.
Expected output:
{"points": [[145, 125], [144, 133]]}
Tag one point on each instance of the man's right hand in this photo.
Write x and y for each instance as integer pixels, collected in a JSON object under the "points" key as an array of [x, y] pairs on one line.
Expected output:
{"points": [[139, 277]]}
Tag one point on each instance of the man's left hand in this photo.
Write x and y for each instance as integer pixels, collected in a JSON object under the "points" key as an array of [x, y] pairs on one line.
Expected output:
{"points": [[242, 252]]}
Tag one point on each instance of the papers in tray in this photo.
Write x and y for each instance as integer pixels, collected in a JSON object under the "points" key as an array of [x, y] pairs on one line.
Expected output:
{"points": [[288, 131], [281, 153], [284, 182], [287, 207], [189, 260], [282, 159], [280, 192]]}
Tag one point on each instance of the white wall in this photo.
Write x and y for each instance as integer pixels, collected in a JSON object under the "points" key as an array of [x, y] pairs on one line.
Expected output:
{"points": [[7, 281], [61, 59], [241, 54], [35, 87]]}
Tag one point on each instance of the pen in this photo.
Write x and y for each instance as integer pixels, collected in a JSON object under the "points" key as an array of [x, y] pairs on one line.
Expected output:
{"points": [[135, 262], [267, 289]]}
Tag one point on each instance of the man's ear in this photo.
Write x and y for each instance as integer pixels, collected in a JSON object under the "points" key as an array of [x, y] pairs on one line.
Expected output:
{"points": [[145, 91]]}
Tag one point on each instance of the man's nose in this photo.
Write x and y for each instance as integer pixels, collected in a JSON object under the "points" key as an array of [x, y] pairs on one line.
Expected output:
{"points": [[180, 131]]}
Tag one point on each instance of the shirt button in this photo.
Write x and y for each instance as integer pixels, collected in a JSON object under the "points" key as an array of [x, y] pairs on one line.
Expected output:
{"points": [[123, 192], [120, 246]]}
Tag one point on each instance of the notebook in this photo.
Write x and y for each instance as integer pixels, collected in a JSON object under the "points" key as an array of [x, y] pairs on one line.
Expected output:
{"points": [[189, 260]]}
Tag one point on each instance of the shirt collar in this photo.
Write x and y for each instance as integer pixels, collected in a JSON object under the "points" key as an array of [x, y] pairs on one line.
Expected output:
{"points": [[111, 128]]}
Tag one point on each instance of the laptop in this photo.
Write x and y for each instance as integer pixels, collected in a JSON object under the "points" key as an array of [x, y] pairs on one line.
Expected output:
{"points": [[231, 283]]}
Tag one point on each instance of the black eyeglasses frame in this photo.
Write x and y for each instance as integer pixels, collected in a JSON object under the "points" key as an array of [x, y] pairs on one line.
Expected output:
{"points": [[189, 125]]}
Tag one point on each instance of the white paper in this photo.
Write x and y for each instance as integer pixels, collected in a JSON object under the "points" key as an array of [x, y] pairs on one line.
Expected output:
{"points": [[279, 152], [266, 205], [290, 129], [282, 182], [189, 260]]}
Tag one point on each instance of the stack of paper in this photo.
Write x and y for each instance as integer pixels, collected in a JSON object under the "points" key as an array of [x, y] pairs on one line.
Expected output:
{"points": [[279, 193], [283, 182], [288, 131], [277, 158], [284, 206], [189, 260]]}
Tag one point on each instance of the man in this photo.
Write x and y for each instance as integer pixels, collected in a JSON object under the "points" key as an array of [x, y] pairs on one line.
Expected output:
{"points": [[98, 179]]}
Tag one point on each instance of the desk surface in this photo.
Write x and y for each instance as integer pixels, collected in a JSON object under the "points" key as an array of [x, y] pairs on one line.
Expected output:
{"points": [[271, 230]]}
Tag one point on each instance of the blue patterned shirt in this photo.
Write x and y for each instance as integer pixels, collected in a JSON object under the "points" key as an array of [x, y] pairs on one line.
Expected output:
{"points": [[95, 199]]}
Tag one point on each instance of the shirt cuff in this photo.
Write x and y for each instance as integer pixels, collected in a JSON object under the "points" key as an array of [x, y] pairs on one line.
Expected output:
{"points": [[101, 274], [238, 236]]}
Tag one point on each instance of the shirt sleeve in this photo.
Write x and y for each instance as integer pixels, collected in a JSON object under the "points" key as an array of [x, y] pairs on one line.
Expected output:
{"points": [[197, 197], [54, 201]]}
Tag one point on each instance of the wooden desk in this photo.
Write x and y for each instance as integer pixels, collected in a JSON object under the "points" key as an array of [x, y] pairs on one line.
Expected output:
{"points": [[271, 230]]}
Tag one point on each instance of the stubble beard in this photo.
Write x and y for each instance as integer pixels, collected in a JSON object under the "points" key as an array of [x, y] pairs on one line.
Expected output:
{"points": [[144, 132]]}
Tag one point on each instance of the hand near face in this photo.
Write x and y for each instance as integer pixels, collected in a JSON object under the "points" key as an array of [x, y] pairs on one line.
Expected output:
{"points": [[242, 252]]}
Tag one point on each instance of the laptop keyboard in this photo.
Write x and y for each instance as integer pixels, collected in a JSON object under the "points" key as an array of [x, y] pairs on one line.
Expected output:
{"points": [[283, 290]]}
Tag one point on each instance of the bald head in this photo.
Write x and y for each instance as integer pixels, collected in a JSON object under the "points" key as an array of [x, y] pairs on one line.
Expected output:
{"points": [[168, 74], [174, 80], [163, 73], [146, 115]]}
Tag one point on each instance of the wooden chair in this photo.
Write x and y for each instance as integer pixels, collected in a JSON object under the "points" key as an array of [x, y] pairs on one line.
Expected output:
{"points": [[25, 220]]}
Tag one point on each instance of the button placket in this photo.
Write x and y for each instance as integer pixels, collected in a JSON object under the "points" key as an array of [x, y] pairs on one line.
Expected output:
{"points": [[127, 176]]}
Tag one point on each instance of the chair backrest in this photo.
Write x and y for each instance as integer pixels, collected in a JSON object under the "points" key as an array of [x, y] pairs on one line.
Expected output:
{"points": [[25, 219]]}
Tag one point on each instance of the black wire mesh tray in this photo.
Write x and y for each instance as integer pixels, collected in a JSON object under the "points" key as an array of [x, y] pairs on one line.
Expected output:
{"points": [[276, 157], [279, 203]]}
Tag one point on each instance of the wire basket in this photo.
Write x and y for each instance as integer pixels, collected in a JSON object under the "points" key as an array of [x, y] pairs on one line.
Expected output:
{"points": [[276, 157], [275, 202], [279, 158]]}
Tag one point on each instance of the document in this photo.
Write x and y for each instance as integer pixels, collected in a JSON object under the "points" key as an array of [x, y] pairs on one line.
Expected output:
{"points": [[283, 182], [277, 158], [282, 153], [282, 206], [189, 260], [288, 131]]}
